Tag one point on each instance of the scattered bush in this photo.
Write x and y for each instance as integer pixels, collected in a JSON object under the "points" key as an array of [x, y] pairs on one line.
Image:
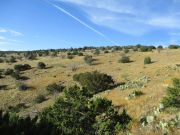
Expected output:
{"points": [[88, 59], [173, 95], [30, 55], [106, 51], [160, 47], [41, 65], [97, 52], [8, 71], [73, 66], [22, 87], [16, 75], [173, 46], [110, 122], [126, 50], [54, 88], [80, 54], [1, 60], [146, 48], [39, 99], [70, 56], [124, 59], [17, 108], [94, 81], [135, 94], [12, 59], [147, 60], [22, 67]]}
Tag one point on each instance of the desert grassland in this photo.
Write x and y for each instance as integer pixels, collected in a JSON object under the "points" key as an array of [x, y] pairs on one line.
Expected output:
{"points": [[60, 70]]}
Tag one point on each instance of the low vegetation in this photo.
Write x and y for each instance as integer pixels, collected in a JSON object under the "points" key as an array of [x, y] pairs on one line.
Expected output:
{"points": [[39, 99], [88, 59], [41, 65], [147, 60], [94, 81], [172, 99], [22, 67], [55, 88], [124, 59]]}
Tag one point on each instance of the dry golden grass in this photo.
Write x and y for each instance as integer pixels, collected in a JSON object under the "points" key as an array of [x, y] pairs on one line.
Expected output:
{"points": [[59, 70]]}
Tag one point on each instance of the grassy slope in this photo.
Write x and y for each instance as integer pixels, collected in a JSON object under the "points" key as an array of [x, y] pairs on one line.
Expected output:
{"points": [[59, 70]]}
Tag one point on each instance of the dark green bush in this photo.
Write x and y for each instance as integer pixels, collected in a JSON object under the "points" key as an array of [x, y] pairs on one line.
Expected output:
{"points": [[39, 99], [124, 59], [147, 60], [160, 47], [22, 87], [71, 114], [8, 71], [22, 67], [97, 52], [173, 95], [41, 65], [173, 46], [88, 59], [70, 56], [54, 88], [106, 51], [16, 75], [110, 122], [1, 60], [126, 50], [80, 54], [12, 59], [94, 81]]}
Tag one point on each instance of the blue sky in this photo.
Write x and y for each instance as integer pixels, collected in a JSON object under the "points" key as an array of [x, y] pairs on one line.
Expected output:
{"points": [[45, 24]]}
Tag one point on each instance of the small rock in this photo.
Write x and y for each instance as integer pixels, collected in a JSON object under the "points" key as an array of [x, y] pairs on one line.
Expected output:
{"points": [[150, 119]]}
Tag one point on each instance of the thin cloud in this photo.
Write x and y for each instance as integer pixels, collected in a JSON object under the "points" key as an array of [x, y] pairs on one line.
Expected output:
{"points": [[12, 32], [2, 38], [134, 17], [82, 22]]}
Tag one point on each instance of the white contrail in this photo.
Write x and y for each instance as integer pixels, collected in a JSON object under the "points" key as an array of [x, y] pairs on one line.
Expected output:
{"points": [[81, 22]]}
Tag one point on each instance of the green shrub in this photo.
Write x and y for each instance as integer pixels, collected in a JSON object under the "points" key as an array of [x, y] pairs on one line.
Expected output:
{"points": [[1, 60], [17, 108], [8, 71], [97, 52], [94, 81], [173, 46], [126, 50], [41, 65], [147, 60], [22, 87], [12, 59], [124, 59], [106, 51], [146, 48], [22, 67], [160, 47], [39, 99], [173, 95], [16, 75], [80, 54], [110, 122], [88, 59], [70, 56], [74, 114], [54, 88], [100, 105]]}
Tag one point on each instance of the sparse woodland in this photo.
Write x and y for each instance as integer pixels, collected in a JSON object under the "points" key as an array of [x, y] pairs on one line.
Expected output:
{"points": [[113, 90]]}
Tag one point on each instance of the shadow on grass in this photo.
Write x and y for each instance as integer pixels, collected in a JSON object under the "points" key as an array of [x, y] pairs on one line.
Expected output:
{"points": [[3, 87], [49, 67]]}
